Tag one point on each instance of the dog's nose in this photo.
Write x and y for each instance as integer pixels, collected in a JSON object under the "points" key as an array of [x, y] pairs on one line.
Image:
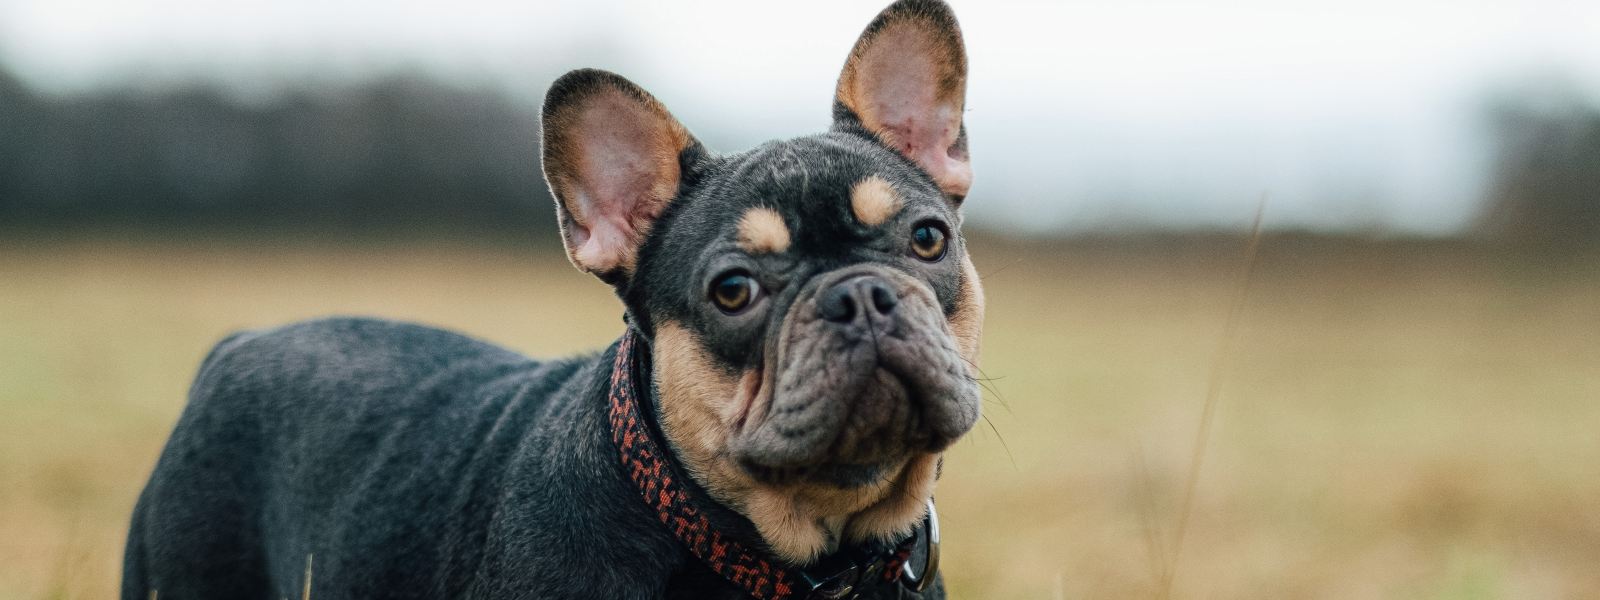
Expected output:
{"points": [[857, 297]]}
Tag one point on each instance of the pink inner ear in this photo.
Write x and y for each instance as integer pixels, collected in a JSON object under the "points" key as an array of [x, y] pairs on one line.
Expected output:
{"points": [[624, 167], [927, 141], [904, 89]]}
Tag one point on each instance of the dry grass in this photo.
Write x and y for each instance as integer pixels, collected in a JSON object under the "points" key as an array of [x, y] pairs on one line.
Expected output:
{"points": [[1398, 421]]}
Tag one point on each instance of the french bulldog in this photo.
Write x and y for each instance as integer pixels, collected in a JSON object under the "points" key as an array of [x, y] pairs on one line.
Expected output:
{"points": [[802, 325]]}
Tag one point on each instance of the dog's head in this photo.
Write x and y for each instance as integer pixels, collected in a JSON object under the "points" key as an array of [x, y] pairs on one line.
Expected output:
{"points": [[813, 312]]}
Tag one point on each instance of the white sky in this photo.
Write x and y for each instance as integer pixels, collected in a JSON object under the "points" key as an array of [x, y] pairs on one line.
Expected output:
{"points": [[1348, 114]]}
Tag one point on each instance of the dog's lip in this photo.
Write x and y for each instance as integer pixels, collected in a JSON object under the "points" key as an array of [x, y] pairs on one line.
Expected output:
{"points": [[823, 460], [750, 386], [838, 474]]}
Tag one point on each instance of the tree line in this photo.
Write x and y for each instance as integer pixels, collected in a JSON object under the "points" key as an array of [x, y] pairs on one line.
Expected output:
{"points": [[397, 152], [408, 151], [1546, 174]]}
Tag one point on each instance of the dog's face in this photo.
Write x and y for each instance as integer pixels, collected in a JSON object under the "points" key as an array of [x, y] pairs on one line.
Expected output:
{"points": [[813, 312]]}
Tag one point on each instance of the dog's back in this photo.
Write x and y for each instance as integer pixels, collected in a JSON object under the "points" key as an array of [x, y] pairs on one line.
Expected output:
{"points": [[347, 433]]}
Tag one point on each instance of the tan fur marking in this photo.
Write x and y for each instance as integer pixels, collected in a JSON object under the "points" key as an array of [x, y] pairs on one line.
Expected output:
{"points": [[784, 524], [967, 323], [902, 509], [873, 200], [762, 231], [799, 521], [697, 398]]}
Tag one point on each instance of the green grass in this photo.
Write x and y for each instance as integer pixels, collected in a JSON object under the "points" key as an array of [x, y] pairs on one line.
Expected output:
{"points": [[1397, 420]]}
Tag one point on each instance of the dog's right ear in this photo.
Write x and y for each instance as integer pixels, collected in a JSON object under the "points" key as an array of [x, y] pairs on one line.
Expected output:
{"points": [[612, 159]]}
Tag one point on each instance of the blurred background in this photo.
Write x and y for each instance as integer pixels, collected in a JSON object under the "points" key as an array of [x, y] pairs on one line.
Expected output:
{"points": [[1408, 398]]}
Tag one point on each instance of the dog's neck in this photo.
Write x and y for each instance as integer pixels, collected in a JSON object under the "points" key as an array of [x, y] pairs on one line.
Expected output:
{"points": [[799, 521], [693, 515]]}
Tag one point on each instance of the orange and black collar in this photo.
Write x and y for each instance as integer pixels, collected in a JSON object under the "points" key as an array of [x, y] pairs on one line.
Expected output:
{"points": [[680, 507]]}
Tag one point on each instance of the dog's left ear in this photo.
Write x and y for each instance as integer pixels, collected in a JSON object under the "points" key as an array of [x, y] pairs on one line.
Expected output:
{"points": [[612, 157], [906, 83]]}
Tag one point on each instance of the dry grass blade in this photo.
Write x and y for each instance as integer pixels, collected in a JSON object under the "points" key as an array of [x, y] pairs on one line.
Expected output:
{"points": [[1149, 519], [305, 593], [1208, 411]]}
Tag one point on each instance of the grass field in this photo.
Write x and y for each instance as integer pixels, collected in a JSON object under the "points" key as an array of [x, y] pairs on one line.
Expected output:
{"points": [[1397, 420]]}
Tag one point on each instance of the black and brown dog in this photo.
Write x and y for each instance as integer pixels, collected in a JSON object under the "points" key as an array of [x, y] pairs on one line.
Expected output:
{"points": [[802, 325]]}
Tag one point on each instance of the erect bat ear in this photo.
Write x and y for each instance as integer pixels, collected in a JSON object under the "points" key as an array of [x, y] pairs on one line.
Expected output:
{"points": [[906, 83], [611, 157]]}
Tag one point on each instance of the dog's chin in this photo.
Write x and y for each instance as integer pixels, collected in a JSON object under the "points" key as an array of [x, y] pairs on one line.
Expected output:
{"points": [[856, 434]]}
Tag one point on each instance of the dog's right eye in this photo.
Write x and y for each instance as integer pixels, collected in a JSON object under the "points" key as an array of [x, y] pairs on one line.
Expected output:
{"points": [[733, 292]]}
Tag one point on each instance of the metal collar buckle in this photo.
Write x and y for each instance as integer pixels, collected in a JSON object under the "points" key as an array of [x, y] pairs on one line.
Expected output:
{"points": [[839, 576], [916, 581]]}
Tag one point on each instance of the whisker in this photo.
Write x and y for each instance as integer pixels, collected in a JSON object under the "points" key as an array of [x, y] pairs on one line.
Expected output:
{"points": [[1003, 444], [984, 380], [1002, 268]]}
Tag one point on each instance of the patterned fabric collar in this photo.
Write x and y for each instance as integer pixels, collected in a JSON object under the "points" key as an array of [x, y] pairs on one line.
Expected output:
{"points": [[745, 563]]}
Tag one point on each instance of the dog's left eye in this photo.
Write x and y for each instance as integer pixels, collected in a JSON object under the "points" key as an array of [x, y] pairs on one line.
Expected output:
{"points": [[928, 241], [735, 291]]}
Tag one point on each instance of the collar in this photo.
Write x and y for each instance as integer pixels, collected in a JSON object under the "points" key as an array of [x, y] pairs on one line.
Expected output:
{"points": [[680, 507]]}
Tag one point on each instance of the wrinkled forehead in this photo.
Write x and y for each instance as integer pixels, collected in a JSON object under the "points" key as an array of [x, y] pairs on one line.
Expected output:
{"points": [[824, 189]]}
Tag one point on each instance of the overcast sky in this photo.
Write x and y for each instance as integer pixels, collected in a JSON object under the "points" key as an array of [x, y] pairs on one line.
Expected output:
{"points": [[1349, 114]]}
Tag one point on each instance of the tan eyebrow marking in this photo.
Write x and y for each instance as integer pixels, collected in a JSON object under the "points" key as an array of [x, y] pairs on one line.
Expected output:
{"points": [[874, 201], [761, 230]]}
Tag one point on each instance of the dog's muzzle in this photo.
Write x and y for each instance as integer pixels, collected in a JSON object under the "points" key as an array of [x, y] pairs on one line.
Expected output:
{"points": [[865, 373]]}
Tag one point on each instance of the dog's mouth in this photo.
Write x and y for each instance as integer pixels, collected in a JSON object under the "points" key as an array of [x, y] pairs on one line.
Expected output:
{"points": [[850, 436], [839, 475], [847, 405]]}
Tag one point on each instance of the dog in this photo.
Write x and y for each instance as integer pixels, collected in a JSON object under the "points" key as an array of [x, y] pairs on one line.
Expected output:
{"points": [[802, 325]]}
